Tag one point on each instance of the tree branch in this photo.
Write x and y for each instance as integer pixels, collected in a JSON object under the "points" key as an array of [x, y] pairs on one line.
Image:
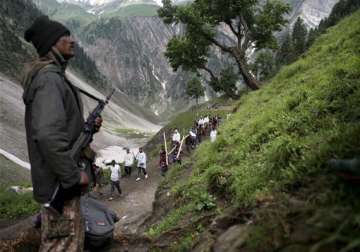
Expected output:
{"points": [[210, 72]]}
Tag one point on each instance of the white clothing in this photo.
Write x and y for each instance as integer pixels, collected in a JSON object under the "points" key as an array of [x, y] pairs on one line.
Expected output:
{"points": [[206, 120], [213, 135], [141, 160], [129, 159], [176, 137], [192, 133], [115, 172]]}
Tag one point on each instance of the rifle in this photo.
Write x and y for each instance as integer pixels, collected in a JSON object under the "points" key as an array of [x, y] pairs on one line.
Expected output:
{"points": [[60, 194], [89, 129]]}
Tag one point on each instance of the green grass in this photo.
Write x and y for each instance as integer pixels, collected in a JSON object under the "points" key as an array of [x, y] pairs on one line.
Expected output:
{"points": [[169, 221], [285, 133], [307, 114], [13, 206]]}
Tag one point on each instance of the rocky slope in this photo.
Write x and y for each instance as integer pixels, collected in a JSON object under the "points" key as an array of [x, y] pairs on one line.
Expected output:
{"points": [[311, 11]]}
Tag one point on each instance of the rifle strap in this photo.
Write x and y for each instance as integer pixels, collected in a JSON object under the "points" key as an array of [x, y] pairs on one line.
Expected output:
{"points": [[89, 95]]}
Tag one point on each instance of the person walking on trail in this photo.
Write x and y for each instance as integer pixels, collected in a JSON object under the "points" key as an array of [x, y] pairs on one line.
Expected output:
{"points": [[115, 178], [53, 122], [98, 171], [176, 138], [213, 134], [141, 163], [162, 162], [129, 162]]}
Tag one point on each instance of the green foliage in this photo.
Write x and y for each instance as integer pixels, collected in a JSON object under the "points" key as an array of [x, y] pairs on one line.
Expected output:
{"points": [[275, 149], [195, 89], [264, 65], [289, 129], [299, 37], [169, 221], [14, 205], [340, 10], [226, 83], [205, 201], [286, 54], [203, 17]]}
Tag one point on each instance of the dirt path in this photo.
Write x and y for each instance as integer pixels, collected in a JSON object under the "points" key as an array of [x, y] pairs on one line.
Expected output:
{"points": [[135, 203]]}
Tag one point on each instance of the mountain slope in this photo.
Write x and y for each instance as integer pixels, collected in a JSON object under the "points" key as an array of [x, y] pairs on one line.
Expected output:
{"points": [[264, 185]]}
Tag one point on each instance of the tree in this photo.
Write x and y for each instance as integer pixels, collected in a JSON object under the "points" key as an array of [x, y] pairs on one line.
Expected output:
{"points": [[313, 34], [194, 89], [264, 65], [226, 83], [299, 37], [250, 24], [286, 53]]}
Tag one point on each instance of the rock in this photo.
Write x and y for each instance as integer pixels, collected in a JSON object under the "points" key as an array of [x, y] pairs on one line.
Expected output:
{"points": [[232, 239], [20, 189]]}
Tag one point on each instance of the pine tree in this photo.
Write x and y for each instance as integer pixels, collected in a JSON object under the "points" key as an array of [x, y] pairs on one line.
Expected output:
{"points": [[313, 34], [264, 65], [194, 89], [286, 53], [299, 37]]}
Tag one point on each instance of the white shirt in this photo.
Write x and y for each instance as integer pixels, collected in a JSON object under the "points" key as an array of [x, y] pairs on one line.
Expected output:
{"points": [[213, 135], [129, 159], [141, 159], [192, 133], [176, 137], [206, 120], [115, 172]]}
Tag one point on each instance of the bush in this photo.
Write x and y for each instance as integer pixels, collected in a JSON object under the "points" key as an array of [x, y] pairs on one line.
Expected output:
{"points": [[14, 205]]}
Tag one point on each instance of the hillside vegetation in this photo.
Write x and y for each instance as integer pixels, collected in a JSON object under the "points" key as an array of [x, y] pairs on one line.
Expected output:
{"points": [[264, 185]]}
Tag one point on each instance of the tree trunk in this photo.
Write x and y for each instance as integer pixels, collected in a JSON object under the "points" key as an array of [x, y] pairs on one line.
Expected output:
{"points": [[249, 79]]}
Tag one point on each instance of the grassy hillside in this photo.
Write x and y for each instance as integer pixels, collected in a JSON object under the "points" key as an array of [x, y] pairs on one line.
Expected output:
{"points": [[268, 166], [12, 205]]}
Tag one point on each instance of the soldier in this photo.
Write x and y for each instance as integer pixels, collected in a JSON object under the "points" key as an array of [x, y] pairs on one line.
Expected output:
{"points": [[53, 122]]}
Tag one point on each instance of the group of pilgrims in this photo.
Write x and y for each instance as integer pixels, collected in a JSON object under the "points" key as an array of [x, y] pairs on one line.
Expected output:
{"points": [[205, 126]]}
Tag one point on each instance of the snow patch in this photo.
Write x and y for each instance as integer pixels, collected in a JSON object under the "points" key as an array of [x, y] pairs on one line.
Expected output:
{"points": [[163, 83], [15, 159], [110, 153]]}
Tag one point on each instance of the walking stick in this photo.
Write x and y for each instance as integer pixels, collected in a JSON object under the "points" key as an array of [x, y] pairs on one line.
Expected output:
{"points": [[167, 159], [182, 141]]}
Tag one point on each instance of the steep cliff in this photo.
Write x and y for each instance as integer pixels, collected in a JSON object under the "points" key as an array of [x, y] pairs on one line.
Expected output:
{"points": [[130, 53], [311, 11]]}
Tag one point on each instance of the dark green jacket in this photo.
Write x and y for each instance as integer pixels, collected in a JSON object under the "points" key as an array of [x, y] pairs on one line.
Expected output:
{"points": [[53, 121]]}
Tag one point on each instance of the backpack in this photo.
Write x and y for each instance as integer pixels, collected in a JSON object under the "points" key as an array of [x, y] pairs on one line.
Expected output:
{"points": [[99, 223]]}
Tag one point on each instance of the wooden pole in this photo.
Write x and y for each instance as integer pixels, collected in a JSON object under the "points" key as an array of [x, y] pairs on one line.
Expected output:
{"points": [[171, 150], [182, 141], [167, 160]]}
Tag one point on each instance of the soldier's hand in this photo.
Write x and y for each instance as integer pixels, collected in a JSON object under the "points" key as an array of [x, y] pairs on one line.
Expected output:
{"points": [[84, 179], [98, 123]]}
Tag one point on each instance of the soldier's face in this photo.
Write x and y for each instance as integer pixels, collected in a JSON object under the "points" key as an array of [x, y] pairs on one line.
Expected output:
{"points": [[66, 46]]}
